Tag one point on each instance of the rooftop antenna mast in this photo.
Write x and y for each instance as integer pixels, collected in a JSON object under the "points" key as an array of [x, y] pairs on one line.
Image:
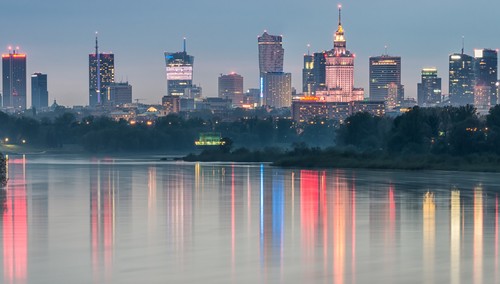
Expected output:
{"points": [[385, 47], [308, 49], [98, 71], [463, 44], [184, 44]]}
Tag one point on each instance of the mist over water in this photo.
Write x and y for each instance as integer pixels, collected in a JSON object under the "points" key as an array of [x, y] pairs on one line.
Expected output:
{"points": [[75, 219]]}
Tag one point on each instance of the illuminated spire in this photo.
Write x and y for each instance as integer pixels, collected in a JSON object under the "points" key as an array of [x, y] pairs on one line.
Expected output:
{"points": [[339, 42], [340, 14], [184, 44]]}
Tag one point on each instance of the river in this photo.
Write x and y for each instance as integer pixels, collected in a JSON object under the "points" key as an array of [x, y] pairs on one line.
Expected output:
{"points": [[78, 219]]}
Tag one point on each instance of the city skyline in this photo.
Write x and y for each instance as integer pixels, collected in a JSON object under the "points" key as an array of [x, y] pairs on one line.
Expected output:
{"points": [[59, 48]]}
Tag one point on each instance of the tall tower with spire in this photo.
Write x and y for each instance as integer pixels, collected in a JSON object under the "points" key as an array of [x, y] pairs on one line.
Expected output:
{"points": [[101, 75], [179, 72], [339, 77]]}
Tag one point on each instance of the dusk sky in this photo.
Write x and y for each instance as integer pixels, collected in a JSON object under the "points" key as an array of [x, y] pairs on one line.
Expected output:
{"points": [[58, 35]]}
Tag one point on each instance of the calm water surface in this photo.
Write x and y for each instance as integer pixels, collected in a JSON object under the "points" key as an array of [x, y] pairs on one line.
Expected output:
{"points": [[71, 219]]}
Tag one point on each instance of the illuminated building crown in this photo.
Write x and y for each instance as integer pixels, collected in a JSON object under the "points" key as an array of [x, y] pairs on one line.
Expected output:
{"points": [[339, 42]]}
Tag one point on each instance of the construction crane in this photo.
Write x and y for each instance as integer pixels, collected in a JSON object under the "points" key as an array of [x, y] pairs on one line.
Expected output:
{"points": [[137, 100]]}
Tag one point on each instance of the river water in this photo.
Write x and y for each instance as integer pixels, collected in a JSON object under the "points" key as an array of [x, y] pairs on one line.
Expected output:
{"points": [[75, 219]]}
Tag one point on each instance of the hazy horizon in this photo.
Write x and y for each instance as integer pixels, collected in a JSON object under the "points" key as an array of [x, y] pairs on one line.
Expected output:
{"points": [[222, 35]]}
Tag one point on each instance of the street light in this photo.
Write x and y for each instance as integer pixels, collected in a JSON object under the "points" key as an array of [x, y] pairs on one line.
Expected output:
{"points": [[24, 141], [6, 140]]}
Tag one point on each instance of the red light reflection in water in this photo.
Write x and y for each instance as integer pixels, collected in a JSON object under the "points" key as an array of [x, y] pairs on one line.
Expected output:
{"points": [[392, 215], [324, 217], [309, 210], [339, 219], [15, 229], [496, 238]]}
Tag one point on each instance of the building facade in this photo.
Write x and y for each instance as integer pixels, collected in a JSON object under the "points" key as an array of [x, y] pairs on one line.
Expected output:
{"points": [[39, 92], [461, 79], [485, 70], [314, 109], [119, 93], [277, 89], [385, 79], [101, 75], [231, 87], [179, 72], [171, 103], [14, 79], [271, 53], [308, 83], [429, 90]]}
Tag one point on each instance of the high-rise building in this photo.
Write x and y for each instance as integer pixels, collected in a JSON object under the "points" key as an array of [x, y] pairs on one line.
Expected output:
{"points": [[231, 87], [271, 57], [308, 84], [385, 72], [319, 71], [461, 79], [429, 90], [14, 79], [485, 70], [271, 53], [277, 89], [39, 92], [101, 75], [339, 70], [179, 72], [119, 93]]}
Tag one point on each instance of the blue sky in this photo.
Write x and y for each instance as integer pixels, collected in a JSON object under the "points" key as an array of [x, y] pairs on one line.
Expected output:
{"points": [[57, 35]]}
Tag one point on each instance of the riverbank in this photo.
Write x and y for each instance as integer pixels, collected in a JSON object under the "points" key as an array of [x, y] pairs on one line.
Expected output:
{"points": [[331, 158]]}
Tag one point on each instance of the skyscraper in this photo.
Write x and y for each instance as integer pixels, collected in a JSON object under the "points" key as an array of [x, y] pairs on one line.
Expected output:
{"points": [[231, 87], [101, 75], [39, 93], [340, 70], [485, 70], [429, 90], [385, 71], [271, 53], [277, 89], [461, 79], [179, 72], [308, 84], [319, 70], [14, 79], [271, 56]]}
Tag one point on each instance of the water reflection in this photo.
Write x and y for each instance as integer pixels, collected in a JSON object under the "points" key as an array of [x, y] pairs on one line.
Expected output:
{"points": [[478, 235], [103, 182], [214, 223], [455, 222], [429, 232], [15, 224]]}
